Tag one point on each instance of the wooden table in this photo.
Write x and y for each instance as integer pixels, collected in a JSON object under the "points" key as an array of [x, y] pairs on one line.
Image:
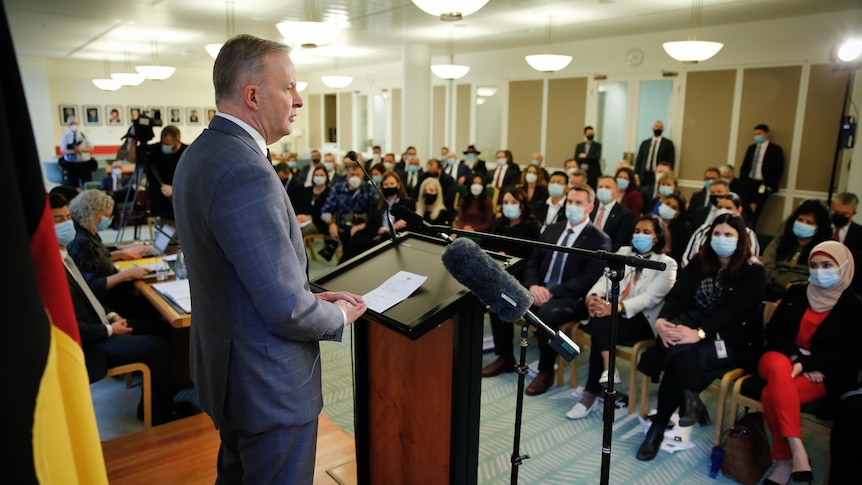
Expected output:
{"points": [[165, 309], [128, 168]]}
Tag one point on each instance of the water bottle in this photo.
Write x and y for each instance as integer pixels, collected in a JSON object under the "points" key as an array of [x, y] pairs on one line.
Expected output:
{"points": [[180, 265]]}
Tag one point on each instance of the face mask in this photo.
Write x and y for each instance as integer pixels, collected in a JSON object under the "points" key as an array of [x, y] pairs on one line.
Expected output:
{"points": [[501, 161], [319, 179], [840, 220], [430, 199], [642, 242], [390, 191], [801, 229], [556, 190], [623, 183], [512, 211], [571, 171], [824, 277], [444, 163], [377, 178], [408, 157], [167, 149], [590, 137], [328, 166], [657, 132], [604, 195], [713, 199], [65, 232], [471, 156], [666, 212], [575, 213], [453, 161], [354, 182], [665, 190], [73, 128], [759, 139], [412, 169], [706, 184], [476, 189], [291, 164], [104, 223], [315, 161], [723, 246], [388, 166], [534, 162], [531, 178]]}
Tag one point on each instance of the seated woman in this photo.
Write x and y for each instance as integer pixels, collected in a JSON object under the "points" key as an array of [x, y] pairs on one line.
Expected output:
{"points": [[534, 184], [784, 258], [812, 344], [630, 194], [668, 185], [377, 170], [642, 293], [430, 204], [376, 228], [672, 213], [308, 206], [92, 212], [517, 221], [711, 322], [476, 211]]}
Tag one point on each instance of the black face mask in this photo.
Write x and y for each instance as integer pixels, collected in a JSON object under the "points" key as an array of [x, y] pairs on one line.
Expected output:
{"points": [[840, 220], [657, 132], [389, 191], [713, 199], [590, 137], [430, 199]]}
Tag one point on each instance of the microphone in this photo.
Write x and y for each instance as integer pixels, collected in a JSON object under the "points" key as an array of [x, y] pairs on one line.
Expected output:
{"points": [[500, 291], [352, 156]]}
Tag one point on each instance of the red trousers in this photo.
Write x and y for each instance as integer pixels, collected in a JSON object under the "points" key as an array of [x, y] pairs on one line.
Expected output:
{"points": [[782, 398]]}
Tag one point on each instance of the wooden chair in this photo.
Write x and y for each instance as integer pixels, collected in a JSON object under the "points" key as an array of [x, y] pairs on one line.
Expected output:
{"points": [[128, 369], [308, 242]]}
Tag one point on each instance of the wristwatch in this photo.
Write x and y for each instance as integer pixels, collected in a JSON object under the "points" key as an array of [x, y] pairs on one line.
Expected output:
{"points": [[701, 334]]}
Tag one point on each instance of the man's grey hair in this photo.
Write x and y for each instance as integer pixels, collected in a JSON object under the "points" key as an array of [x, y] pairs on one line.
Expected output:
{"points": [[239, 61], [848, 198]]}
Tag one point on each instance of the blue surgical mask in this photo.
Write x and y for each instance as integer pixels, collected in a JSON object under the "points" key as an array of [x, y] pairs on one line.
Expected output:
{"points": [[318, 179], [575, 213], [291, 164], [377, 178], [328, 166], [759, 139], [803, 230], [534, 162], [824, 277], [65, 232], [724, 246], [665, 190], [412, 169], [604, 195], [453, 161], [167, 149], [642, 242], [471, 156], [556, 190], [354, 181], [104, 223], [707, 183], [666, 212], [501, 161], [512, 211], [623, 183]]}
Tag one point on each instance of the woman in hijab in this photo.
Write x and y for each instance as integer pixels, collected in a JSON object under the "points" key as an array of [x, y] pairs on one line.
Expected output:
{"points": [[812, 352]]}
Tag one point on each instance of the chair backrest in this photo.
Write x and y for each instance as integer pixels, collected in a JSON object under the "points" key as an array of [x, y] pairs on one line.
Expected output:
{"points": [[768, 309]]}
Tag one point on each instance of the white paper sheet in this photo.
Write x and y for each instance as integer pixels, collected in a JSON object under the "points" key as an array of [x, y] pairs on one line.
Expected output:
{"points": [[178, 292], [393, 291]]}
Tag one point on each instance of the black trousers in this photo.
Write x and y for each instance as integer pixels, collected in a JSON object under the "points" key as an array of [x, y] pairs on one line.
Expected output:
{"points": [[629, 331]]}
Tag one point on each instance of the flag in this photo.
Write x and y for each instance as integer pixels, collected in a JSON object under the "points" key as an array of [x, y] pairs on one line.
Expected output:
{"points": [[49, 424]]}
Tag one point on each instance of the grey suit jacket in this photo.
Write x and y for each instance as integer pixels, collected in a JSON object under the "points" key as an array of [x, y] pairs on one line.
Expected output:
{"points": [[254, 356]]}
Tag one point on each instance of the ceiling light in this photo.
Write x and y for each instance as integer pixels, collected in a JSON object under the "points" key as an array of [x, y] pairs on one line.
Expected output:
{"points": [[301, 85], [486, 91], [450, 9], [307, 34], [451, 70], [158, 73], [336, 82], [480, 100], [692, 51], [128, 78], [850, 50], [107, 84], [213, 49], [229, 28], [548, 62]]}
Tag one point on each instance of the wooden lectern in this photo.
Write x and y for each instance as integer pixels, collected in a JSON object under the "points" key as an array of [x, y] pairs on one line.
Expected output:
{"points": [[418, 368]]}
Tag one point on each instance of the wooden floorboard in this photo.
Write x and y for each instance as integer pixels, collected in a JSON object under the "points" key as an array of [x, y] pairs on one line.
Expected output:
{"points": [[185, 451]]}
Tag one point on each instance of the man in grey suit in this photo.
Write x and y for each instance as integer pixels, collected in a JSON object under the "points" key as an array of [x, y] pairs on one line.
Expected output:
{"points": [[254, 352]]}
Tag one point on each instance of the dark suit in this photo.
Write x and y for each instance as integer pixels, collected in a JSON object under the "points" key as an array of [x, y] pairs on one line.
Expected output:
{"points": [[665, 153], [853, 241], [413, 189], [578, 276], [772, 168], [480, 169], [462, 170], [593, 160], [294, 188], [254, 352], [618, 224], [511, 178], [698, 201], [540, 210]]}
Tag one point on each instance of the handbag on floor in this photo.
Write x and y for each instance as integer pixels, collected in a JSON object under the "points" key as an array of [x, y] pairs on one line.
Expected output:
{"points": [[746, 449]]}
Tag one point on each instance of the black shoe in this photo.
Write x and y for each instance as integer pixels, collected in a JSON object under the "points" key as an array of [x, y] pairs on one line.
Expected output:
{"points": [[802, 477], [652, 442], [692, 410], [504, 363], [328, 250]]}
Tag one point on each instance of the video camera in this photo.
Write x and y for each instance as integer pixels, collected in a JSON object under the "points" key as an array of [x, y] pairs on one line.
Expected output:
{"points": [[143, 126]]}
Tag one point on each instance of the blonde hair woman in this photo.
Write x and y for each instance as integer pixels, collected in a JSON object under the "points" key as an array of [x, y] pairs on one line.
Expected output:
{"points": [[430, 204]]}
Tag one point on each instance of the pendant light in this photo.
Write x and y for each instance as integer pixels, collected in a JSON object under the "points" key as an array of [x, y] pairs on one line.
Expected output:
{"points": [[548, 62], [450, 9], [106, 83], [692, 51], [451, 70], [155, 71], [308, 33], [229, 28]]}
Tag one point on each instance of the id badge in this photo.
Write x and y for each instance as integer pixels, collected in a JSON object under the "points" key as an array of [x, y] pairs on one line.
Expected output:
{"points": [[720, 349]]}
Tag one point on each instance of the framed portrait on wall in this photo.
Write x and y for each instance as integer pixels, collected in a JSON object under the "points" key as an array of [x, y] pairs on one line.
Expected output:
{"points": [[211, 111], [193, 116], [113, 115], [134, 112], [92, 115], [156, 112], [175, 115], [68, 111]]}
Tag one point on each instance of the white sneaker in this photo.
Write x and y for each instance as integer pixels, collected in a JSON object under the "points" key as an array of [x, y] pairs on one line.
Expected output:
{"points": [[604, 378], [579, 411]]}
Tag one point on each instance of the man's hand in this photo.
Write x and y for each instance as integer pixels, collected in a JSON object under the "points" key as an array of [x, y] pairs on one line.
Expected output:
{"points": [[353, 312], [333, 231], [356, 228], [303, 218], [167, 190], [119, 326], [353, 305], [541, 295], [582, 155]]}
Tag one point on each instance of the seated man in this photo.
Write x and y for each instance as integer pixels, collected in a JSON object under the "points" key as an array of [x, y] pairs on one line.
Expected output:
{"points": [[612, 218], [727, 203], [108, 340], [705, 215], [291, 182], [560, 281], [552, 210], [345, 208]]}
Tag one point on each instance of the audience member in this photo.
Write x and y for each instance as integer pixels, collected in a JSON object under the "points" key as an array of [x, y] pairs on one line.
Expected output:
{"points": [[433, 169], [76, 161], [506, 174], [609, 216], [705, 215], [291, 183], [537, 160], [305, 175], [700, 199], [667, 184], [642, 293], [550, 210], [846, 231], [577, 177], [415, 175], [761, 171], [671, 212], [376, 171], [534, 183], [311, 202], [477, 210], [375, 229], [812, 352], [651, 193], [430, 204], [116, 183], [458, 170], [729, 203], [711, 322], [652, 152], [588, 154], [736, 186], [786, 254], [630, 195], [346, 206]]}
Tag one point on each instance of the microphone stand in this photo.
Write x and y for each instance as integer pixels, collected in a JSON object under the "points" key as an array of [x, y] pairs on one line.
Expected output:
{"points": [[522, 369], [352, 156]]}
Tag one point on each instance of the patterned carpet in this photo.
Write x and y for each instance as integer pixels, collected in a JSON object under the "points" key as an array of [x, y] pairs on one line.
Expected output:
{"points": [[562, 451]]}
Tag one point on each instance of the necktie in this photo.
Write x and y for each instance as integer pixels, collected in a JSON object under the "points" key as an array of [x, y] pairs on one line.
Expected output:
{"points": [[755, 162], [632, 282], [653, 150], [600, 218], [116, 183], [559, 261], [268, 156], [497, 178], [82, 283], [837, 234]]}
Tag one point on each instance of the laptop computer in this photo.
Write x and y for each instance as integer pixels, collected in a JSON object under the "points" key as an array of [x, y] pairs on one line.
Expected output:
{"points": [[164, 237]]}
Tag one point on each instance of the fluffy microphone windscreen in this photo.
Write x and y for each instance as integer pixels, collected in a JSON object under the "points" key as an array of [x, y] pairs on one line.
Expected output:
{"points": [[468, 264]]}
